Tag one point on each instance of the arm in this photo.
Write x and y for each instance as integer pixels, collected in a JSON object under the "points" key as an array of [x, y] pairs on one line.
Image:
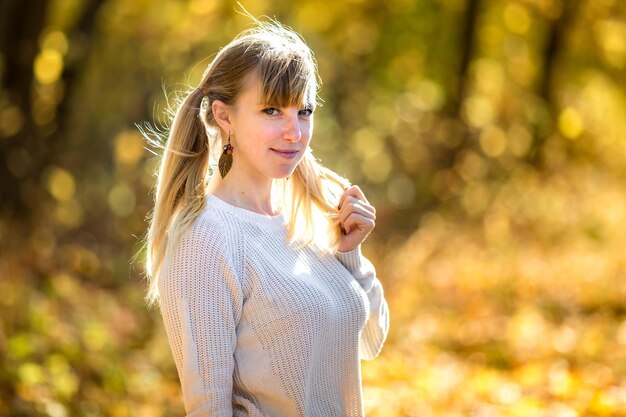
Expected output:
{"points": [[376, 328], [201, 300]]}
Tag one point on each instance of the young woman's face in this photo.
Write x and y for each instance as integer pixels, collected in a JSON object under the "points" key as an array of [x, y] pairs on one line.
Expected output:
{"points": [[269, 141]]}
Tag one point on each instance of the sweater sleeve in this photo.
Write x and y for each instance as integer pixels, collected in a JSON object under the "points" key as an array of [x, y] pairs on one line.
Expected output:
{"points": [[376, 328], [201, 301]]}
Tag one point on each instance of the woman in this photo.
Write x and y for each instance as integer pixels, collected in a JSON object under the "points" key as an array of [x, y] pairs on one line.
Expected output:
{"points": [[267, 300]]}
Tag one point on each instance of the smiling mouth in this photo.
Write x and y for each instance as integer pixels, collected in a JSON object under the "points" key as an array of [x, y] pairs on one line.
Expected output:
{"points": [[285, 153]]}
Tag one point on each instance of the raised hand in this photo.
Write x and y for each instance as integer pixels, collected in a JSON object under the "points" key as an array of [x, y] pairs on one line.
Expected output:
{"points": [[357, 218]]}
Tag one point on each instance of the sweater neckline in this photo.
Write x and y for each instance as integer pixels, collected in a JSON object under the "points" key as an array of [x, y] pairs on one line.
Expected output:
{"points": [[276, 221]]}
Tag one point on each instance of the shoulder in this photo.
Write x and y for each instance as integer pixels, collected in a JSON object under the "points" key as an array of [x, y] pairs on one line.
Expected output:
{"points": [[209, 220], [214, 220], [212, 229], [209, 244], [216, 233]]}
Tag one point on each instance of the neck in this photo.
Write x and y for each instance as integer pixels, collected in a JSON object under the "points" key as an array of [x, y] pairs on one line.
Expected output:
{"points": [[254, 194]]}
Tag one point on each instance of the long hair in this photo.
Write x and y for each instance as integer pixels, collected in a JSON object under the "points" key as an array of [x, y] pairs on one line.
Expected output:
{"points": [[288, 74]]}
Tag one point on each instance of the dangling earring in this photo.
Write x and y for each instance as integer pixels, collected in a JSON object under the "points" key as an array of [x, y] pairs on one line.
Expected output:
{"points": [[226, 159]]}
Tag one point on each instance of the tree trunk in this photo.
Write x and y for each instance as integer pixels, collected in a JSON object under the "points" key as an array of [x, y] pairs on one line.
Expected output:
{"points": [[545, 84], [467, 52], [22, 24]]}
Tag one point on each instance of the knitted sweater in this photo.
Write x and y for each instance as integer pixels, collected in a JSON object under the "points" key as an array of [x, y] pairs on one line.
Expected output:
{"points": [[259, 328]]}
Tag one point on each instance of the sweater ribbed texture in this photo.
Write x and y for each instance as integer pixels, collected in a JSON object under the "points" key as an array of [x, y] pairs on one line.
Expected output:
{"points": [[259, 328]]}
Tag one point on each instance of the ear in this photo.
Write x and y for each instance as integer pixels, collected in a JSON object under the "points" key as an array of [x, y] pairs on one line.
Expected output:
{"points": [[222, 114]]}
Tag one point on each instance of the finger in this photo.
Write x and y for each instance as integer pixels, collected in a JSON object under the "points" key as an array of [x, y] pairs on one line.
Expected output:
{"points": [[358, 221], [353, 191], [350, 200], [356, 207], [351, 203]]}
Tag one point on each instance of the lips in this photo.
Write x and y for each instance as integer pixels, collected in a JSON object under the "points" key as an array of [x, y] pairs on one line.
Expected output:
{"points": [[286, 150], [286, 153]]}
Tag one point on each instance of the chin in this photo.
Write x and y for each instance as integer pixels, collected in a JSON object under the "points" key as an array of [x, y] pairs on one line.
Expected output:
{"points": [[283, 173]]}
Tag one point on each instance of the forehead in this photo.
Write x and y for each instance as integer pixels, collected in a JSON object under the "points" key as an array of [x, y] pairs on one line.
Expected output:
{"points": [[253, 92]]}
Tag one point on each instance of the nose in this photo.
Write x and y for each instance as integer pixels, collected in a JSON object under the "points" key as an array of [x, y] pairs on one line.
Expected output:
{"points": [[292, 129]]}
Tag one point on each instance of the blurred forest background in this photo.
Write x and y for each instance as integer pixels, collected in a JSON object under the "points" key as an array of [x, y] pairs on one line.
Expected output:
{"points": [[489, 134]]}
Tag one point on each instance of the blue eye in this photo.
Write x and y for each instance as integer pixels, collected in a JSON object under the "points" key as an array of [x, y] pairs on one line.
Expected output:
{"points": [[272, 111], [306, 112]]}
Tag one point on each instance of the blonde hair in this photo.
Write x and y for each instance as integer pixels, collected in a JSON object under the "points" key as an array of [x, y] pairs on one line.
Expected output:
{"points": [[287, 70]]}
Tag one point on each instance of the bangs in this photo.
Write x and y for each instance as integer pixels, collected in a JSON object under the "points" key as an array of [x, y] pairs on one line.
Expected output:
{"points": [[287, 81]]}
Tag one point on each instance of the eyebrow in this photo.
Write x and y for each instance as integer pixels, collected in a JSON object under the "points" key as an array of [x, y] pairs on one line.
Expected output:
{"points": [[305, 105]]}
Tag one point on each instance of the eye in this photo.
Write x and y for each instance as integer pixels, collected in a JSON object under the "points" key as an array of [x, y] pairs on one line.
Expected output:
{"points": [[272, 111], [306, 112]]}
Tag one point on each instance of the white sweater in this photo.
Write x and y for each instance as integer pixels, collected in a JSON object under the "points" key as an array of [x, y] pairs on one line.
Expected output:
{"points": [[258, 328]]}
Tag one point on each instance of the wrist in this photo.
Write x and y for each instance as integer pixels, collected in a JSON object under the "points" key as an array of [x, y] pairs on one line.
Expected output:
{"points": [[350, 259]]}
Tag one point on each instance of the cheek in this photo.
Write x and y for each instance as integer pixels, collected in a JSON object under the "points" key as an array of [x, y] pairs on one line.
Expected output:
{"points": [[267, 128], [307, 130], [261, 133]]}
